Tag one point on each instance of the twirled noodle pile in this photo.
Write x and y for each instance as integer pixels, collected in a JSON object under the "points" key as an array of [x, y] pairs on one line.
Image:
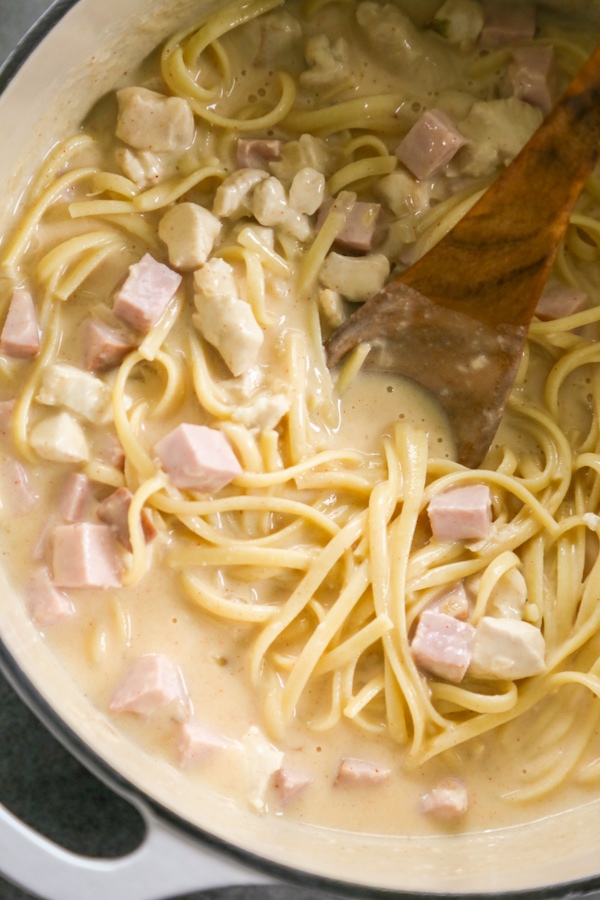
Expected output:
{"points": [[329, 544]]}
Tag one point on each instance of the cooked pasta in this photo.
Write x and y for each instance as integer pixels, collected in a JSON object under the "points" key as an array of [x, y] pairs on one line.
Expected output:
{"points": [[320, 548]]}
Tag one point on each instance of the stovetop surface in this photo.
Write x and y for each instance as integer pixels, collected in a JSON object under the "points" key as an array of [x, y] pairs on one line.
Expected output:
{"points": [[39, 780]]}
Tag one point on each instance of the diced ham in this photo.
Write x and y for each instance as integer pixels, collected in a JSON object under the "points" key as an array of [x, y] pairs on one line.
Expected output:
{"points": [[559, 300], [532, 76], [114, 511], [7, 408], [288, 783], [17, 495], [197, 742], [360, 772], [198, 458], [145, 294], [75, 495], [151, 121], [110, 451], [46, 604], [152, 683], [507, 23], [189, 231], [442, 645], [461, 513], [104, 348], [361, 227], [256, 153], [84, 555], [430, 144], [447, 800], [507, 649], [20, 337]]}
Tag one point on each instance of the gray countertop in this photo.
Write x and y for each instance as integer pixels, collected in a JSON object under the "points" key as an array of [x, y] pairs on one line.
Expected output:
{"points": [[39, 780]]}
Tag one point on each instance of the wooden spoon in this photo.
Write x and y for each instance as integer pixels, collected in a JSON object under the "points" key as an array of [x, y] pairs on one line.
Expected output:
{"points": [[456, 321]]}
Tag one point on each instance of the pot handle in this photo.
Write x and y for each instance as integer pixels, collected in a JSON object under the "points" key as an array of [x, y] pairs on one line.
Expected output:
{"points": [[166, 863]]}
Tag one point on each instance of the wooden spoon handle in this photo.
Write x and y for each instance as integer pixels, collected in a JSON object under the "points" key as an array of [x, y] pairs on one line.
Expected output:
{"points": [[512, 233]]}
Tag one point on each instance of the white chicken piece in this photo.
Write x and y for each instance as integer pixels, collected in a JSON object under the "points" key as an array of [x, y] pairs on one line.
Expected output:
{"points": [[278, 32], [223, 318], [460, 22], [307, 152], [329, 63], [270, 207], [506, 649], [331, 305], [233, 196], [78, 391], [414, 53], [261, 760], [189, 231], [355, 277], [403, 194], [148, 120], [143, 168], [59, 438], [508, 597], [307, 190], [496, 131], [264, 412]]}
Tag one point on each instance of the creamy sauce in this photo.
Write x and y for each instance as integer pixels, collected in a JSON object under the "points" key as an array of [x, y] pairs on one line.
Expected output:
{"points": [[110, 628]]}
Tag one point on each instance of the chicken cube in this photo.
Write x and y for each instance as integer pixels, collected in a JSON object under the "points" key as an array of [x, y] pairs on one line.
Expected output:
{"points": [[189, 231], [148, 120], [78, 391], [60, 439]]}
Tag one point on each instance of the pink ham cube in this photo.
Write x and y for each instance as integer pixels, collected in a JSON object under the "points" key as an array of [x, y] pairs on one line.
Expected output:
{"points": [[461, 514], [151, 684], [47, 605], [114, 511], [430, 144], [559, 300], [84, 555], [532, 76], [198, 458], [145, 294], [360, 772], [442, 645], [20, 337], [257, 153], [447, 800], [507, 23], [288, 783], [104, 347], [75, 495], [197, 742]]}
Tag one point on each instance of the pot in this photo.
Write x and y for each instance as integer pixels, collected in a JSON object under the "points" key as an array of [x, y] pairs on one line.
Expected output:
{"points": [[195, 838]]}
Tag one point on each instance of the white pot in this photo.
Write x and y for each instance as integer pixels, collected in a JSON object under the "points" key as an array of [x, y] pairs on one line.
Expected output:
{"points": [[196, 839]]}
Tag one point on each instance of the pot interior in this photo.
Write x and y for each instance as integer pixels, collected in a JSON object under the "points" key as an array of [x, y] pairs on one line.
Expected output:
{"points": [[79, 61]]}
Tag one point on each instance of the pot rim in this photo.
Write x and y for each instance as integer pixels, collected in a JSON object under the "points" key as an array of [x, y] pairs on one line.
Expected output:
{"points": [[29, 694]]}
